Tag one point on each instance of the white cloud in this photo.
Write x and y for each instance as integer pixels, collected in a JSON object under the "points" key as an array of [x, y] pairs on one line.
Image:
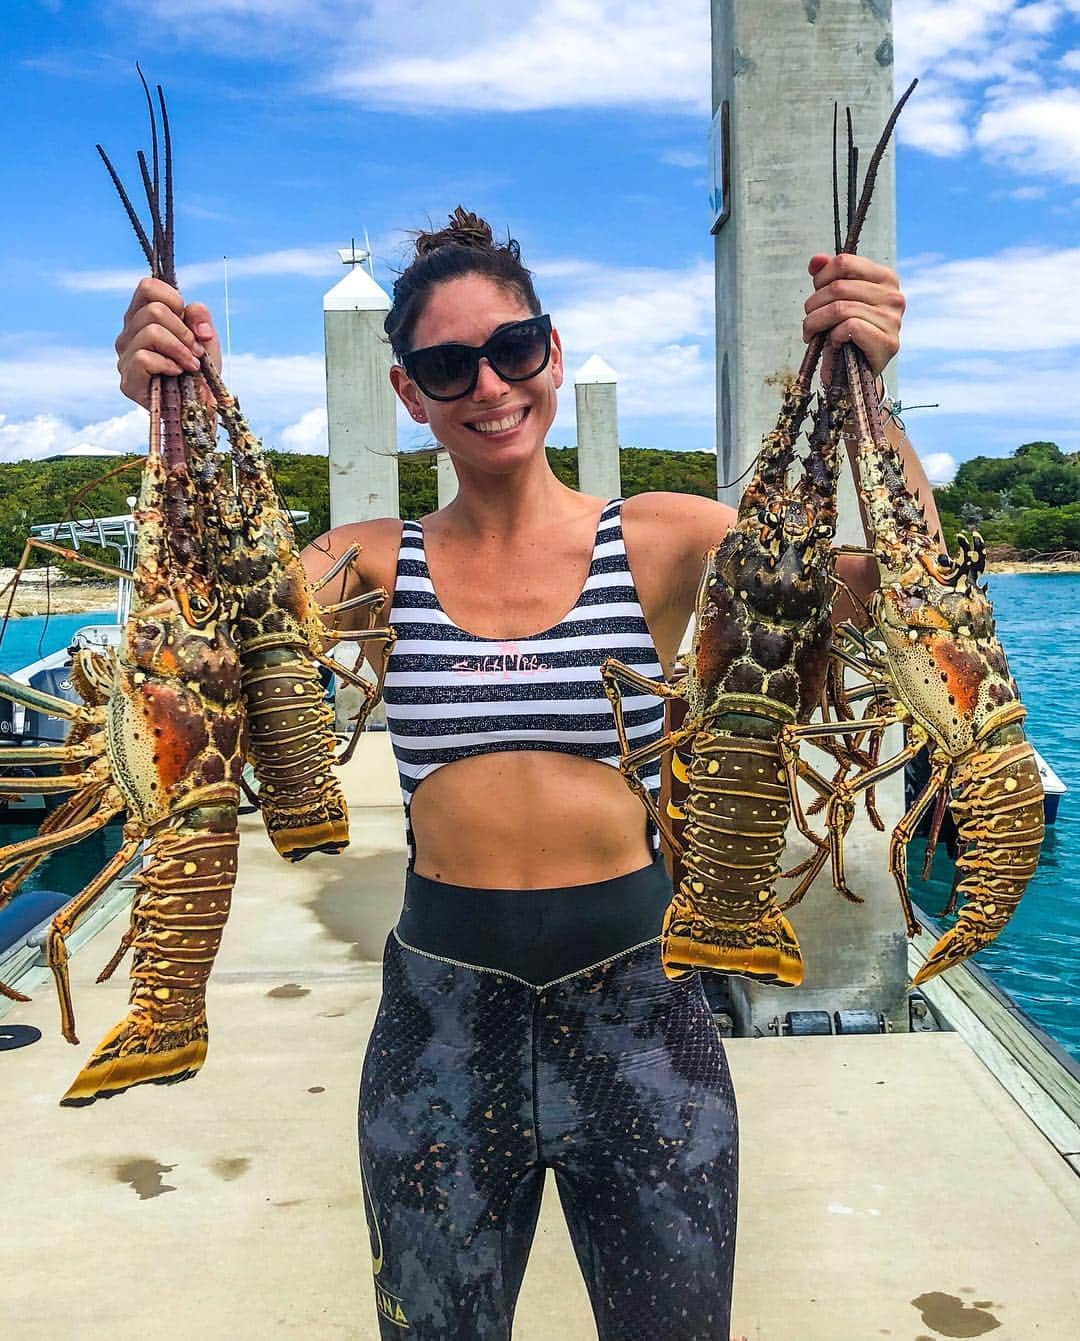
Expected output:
{"points": [[51, 434], [935, 123], [653, 325], [308, 434], [988, 80], [310, 262], [1039, 133], [425, 55], [1040, 398], [683, 158], [56, 397], [957, 305], [565, 53], [940, 467]]}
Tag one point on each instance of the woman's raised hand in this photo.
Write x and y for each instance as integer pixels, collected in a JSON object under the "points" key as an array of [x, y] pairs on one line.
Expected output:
{"points": [[162, 335], [854, 299]]}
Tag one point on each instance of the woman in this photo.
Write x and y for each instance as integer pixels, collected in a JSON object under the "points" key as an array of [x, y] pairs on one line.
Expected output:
{"points": [[526, 1022]]}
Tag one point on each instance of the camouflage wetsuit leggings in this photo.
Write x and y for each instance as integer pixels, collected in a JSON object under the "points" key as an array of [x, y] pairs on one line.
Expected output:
{"points": [[479, 1076]]}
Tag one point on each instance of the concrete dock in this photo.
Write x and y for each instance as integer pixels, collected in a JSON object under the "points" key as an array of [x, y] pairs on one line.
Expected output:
{"points": [[890, 1186]]}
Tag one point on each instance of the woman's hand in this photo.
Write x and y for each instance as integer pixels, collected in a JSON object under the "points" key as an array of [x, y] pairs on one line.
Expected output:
{"points": [[161, 335], [854, 299]]}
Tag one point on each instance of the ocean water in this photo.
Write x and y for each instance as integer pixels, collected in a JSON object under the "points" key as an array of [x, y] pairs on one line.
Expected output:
{"points": [[69, 869], [1036, 959]]}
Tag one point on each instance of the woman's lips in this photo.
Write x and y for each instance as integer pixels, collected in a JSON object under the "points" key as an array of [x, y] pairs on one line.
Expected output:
{"points": [[501, 427]]}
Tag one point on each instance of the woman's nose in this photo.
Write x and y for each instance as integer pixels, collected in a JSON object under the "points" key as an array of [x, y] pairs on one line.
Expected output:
{"points": [[489, 385]]}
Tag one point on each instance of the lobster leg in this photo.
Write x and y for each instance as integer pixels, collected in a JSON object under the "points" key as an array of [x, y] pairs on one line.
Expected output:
{"points": [[905, 831], [66, 919], [44, 843], [615, 676], [68, 812]]}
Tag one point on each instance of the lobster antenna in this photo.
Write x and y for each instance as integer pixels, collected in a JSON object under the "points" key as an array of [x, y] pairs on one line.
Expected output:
{"points": [[153, 126], [155, 214], [835, 184], [170, 275], [872, 168], [133, 218], [851, 184]]}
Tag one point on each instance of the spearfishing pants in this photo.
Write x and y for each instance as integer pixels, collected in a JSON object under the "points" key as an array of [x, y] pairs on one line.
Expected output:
{"points": [[532, 1029]]}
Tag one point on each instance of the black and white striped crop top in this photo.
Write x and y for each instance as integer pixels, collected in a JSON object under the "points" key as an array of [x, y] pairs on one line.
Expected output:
{"points": [[450, 694]]}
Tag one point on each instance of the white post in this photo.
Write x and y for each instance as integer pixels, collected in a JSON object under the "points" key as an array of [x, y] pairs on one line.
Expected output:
{"points": [[597, 429], [360, 402], [446, 477]]}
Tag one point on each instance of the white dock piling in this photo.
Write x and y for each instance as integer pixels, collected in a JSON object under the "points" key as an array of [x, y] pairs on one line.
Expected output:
{"points": [[360, 402], [446, 477], [597, 429]]}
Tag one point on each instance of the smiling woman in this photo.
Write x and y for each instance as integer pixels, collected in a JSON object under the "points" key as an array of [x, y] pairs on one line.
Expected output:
{"points": [[526, 1021]]}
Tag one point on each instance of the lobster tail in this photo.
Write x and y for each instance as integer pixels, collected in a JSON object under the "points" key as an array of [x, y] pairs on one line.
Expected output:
{"points": [[997, 802], [723, 916], [177, 920]]}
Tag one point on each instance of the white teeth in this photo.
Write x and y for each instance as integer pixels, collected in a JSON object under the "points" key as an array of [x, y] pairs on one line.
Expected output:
{"points": [[500, 425]]}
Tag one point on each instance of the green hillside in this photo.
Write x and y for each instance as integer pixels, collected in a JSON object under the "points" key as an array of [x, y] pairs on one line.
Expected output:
{"points": [[1029, 501]]}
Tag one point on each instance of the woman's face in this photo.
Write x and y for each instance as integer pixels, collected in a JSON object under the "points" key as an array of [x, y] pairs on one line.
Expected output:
{"points": [[499, 424]]}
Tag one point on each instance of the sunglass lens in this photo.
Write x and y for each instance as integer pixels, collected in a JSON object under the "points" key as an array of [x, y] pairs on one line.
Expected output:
{"points": [[444, 370], [520, 351]]}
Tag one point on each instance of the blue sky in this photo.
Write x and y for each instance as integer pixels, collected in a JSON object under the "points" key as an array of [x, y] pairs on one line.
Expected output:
{"points": [[301, 122]]}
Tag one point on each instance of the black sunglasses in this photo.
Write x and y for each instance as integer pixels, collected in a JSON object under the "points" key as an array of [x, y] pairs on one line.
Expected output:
{"points": [[516, 352]]}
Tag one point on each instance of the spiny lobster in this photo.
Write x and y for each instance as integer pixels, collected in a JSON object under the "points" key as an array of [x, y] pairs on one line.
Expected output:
{"points": [[758, 666], [936, 668], [222, 630]]}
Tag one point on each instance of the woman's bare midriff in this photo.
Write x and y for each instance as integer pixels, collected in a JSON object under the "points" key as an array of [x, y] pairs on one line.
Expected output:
{"points": [[527, 819]]}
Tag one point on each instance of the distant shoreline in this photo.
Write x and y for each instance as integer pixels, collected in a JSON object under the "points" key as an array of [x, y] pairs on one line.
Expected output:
{"points": [[63, 598], [1016, 566]]}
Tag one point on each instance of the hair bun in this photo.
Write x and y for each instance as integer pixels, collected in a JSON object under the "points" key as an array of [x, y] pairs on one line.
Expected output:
{"points": [[464, 229]]}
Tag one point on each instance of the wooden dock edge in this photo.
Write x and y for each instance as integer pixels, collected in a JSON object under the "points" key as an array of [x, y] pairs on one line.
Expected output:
{"points": [[1035, 1070]]}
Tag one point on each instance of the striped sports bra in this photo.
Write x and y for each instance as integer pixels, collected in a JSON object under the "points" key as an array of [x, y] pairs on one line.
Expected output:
{"points": [[450, 695]]}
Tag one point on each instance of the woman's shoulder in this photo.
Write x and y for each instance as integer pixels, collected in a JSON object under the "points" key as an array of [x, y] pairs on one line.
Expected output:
{"points": [[677, 522], [374, 542]]}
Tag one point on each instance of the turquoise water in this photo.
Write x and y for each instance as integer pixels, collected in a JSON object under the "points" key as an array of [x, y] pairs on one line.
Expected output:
{"points": [[25, 641], [28, 639], [1036, 959]]}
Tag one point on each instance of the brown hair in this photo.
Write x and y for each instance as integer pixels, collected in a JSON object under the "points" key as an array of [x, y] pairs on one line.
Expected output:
{"points": [[465, 246]]}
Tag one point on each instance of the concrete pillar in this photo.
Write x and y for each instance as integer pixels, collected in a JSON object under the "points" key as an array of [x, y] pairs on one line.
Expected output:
{"points": [[597, 430], [779, 67], [446, 479], [360, 402]]}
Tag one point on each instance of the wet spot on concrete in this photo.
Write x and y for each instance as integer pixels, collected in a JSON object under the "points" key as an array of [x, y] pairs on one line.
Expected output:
{"points": [[811, 7], [316, 1089], [230, 1169], [144, 1176], [948, 1315], [347, 916], [288, 990], [883, 52]]}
